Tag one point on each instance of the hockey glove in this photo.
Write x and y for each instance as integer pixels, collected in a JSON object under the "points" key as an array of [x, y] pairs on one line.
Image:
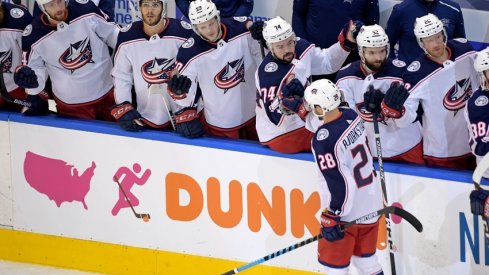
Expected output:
{"points": [[127, 117], [39, 104], [348, 43], [372, 100], [330, 227], [256, 31], [25, 77], [188, 124], [293, 88], [296, 105], [392, 105], [479, 202], [178, 86]]}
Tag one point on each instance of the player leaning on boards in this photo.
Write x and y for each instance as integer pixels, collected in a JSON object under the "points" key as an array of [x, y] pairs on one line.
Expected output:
{"points": [[68, 43], [13, 20], [366, 81], [440, 81], [280, 81], [348, 185], [220, 58], [145, 56]]}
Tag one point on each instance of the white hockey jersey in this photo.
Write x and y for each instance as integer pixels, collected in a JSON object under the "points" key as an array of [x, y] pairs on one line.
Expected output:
{"points": [[354, 81], [348, 185], [442, 90], [146, 61], [74, 54], [272, 74], [14, 23], [224, 71]]}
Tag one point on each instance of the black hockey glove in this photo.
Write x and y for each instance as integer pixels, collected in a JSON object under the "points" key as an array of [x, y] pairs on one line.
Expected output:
{"points": [[393, 103], [296, 105], [256, 31], [330, 227], [39, 104], [25, 77], [188, 124], [352, 27], [479, 202], [293, 88], [127, 117], [372, 100], [178, 86]]}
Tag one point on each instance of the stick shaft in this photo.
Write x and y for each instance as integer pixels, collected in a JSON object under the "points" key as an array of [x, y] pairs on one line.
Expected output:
{"points": [[127, 199]]}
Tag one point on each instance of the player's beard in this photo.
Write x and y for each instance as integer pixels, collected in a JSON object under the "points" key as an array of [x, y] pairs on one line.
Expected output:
{"points": [[2, 14], [288, 57], [375, 66], [59, 16], [154, 20]]}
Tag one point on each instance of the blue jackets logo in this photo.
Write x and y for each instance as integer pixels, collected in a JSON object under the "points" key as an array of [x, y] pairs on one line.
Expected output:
{"points": [[158, 70], [458, 95], [6, 61], [77, 55], [231, 75]]}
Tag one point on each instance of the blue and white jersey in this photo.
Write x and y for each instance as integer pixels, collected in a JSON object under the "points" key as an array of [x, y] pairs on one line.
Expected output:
{"points": [[348, 185], [74, 53], [145, 60], [442, 90], [224, 71], [14, 23], [353, 80], [273, 74]]}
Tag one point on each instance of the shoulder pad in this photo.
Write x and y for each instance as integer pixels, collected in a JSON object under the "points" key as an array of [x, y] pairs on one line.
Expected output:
{"points": [[461, 40], [185, 25], [189, 43], [398, 63], [27, 30], [414, 66], [240, 18], [271, 67], [16, 13], [82, 1]]}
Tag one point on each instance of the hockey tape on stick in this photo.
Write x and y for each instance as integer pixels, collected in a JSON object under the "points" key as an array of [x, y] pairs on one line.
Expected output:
{"points": [[5, 94], [145, 217], [476, 179], [410, 218]]}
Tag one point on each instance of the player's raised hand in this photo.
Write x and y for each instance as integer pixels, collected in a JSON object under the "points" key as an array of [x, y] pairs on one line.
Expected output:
{"points": [[256, 31], [330, 227], [25, 77], [178, 86], [393, 103], [293, 88], [127, 117], [372, 99], [348, 35]]}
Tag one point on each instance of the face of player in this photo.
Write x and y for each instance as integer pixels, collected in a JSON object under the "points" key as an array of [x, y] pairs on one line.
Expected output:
{"points": [[375, 57], [56, 9], [435, 44], [151, 12], [284, 50], [209, 30]]}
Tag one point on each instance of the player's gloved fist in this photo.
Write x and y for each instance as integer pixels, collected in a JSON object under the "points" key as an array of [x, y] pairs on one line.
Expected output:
{"points": [[348, 35], [479, 202], [178, 86], [372, 100], [296, 105], [256, 31], [39, 104], [293, 88], [330, 227], [127, 117], [25, 77], [188, 124], [393, 103]]}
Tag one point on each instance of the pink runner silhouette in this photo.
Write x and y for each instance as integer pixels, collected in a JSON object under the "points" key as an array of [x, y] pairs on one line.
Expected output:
{"points": [[127, 179]]}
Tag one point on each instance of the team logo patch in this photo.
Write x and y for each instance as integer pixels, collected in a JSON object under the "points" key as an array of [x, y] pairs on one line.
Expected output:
{"points": [[6, 61], [16, 13], [27, 30], [186, 25], [77, 55], [158, 70], [322, 134], [240, 18], [231, 75], [414, 66], [398, 63], [126, 28], [189, 43], [82, 1], [458, 95], [461, 40], [271, 67], [481, 101]]}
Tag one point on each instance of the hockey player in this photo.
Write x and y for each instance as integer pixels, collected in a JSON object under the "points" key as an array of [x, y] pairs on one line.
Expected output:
{"points": [[106, 6], [377, 71], [13, 20], [440, 81], [68, 43], [280, 82], [145, 55], [348, 185], [477, 109], [220, 58]]}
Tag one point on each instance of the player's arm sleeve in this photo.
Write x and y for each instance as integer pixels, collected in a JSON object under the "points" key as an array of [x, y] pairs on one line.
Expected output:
{"points": [[245, 8], [107, 31], [394, 29], [477, 124], [123, 76], [183, 6], [108, 7], [299, 16], [267, 97], [371, 12], [329, 60], [36, 63], [459, 31], [190, 70]]}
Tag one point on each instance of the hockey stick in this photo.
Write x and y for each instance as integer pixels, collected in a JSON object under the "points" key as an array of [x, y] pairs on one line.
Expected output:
{"points": [[156, 89], [145, 217], [476, 179], [5, 94], [410, 218]]}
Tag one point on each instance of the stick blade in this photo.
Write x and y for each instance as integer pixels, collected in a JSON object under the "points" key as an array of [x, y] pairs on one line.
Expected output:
{"points": [[480, 169], [410, 218]]}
